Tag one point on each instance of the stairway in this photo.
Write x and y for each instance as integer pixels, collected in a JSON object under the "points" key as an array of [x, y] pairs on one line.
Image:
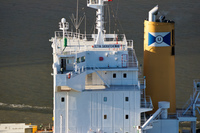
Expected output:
{"points": [[132, 61], [194, 101]]}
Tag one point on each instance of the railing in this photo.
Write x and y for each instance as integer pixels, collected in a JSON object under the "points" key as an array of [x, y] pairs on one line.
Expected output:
{"points": [[172, 116], [125, 66], [190, 106], [59, 34], [130, 44], [101, 129], [93, 2], [143, 82], [187, 114], [187, 103], [92, 37], [132, 64], [77, 42], [196, 84], [146, 102], [76, 72]]}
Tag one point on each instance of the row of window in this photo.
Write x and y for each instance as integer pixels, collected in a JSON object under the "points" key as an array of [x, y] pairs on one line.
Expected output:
{"points": [[104, 99], [126, 99], [115, 75], [80, 59], [105, 117]]}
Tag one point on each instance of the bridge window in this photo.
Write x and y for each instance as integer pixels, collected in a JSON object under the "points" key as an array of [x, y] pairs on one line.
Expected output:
{"points": [[78, 60], [83, 59]]}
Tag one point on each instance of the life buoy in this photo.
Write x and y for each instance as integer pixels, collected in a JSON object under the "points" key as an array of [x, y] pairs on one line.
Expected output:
{"points": [[69, 76]]}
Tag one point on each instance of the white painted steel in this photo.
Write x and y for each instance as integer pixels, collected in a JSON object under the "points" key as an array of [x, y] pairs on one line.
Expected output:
{"points": [[152, 14], [164, 105], [164, 126]]}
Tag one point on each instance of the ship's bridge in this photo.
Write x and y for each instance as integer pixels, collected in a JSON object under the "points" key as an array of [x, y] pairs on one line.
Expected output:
{"points": [[77, 52], [77, 56]]}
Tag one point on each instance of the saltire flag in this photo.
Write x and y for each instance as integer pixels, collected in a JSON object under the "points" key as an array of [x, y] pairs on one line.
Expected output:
{"points": [[159, 39]]}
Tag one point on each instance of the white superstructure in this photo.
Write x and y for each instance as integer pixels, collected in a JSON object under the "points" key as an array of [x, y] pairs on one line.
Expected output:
{"points": [[96, 84]]}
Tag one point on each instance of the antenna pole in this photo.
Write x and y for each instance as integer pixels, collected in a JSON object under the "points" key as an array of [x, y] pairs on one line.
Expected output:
{"points": [[77, 17], [85, 25]]}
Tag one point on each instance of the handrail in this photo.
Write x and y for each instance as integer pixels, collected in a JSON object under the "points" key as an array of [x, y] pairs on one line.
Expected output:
{"points": [[92, 1], [191, 103], [146, 102], [91, 37], [130, 44]]}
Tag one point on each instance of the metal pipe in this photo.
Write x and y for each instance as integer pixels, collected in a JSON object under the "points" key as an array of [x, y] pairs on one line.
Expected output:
{"points": [[151, 118], [152, 14]]}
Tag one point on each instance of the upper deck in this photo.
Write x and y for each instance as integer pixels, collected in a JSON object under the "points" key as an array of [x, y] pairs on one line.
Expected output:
{"points": [[77, 42]]}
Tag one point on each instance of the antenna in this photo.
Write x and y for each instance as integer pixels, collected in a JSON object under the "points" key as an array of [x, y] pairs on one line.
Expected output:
{"points": [[85, 25], [76, 21], [107, 17]]}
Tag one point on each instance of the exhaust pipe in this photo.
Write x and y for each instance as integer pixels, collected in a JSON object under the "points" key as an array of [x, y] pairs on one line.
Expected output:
{"points": [[153, 13]]}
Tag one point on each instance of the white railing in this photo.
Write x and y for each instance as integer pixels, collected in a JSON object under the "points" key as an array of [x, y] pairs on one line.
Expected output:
{"points": [[179, 113], [92, 37], [187, 103], [139, 84], [142, 81], [93, 2], [190, 105], [104, 129], [146, 102], [130, 44], [77, 42], [74, 73], [125, 66]]}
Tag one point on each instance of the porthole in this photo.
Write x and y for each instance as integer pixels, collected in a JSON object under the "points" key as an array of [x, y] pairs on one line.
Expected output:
{"points": [[126, 116], [114, 75], [105, 116], [105, 99], [124, 75], [126, 99], [62, 99]]}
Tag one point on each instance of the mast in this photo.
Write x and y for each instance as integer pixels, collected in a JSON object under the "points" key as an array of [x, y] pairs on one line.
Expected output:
{"points": [[98, 4]]}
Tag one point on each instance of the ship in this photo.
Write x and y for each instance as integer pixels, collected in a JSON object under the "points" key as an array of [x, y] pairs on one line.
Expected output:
{"points": [[98, 86], [96, 82]]}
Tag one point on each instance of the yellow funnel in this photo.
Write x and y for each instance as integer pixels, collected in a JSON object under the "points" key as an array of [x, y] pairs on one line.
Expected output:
{"points": [[159, 62]]}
